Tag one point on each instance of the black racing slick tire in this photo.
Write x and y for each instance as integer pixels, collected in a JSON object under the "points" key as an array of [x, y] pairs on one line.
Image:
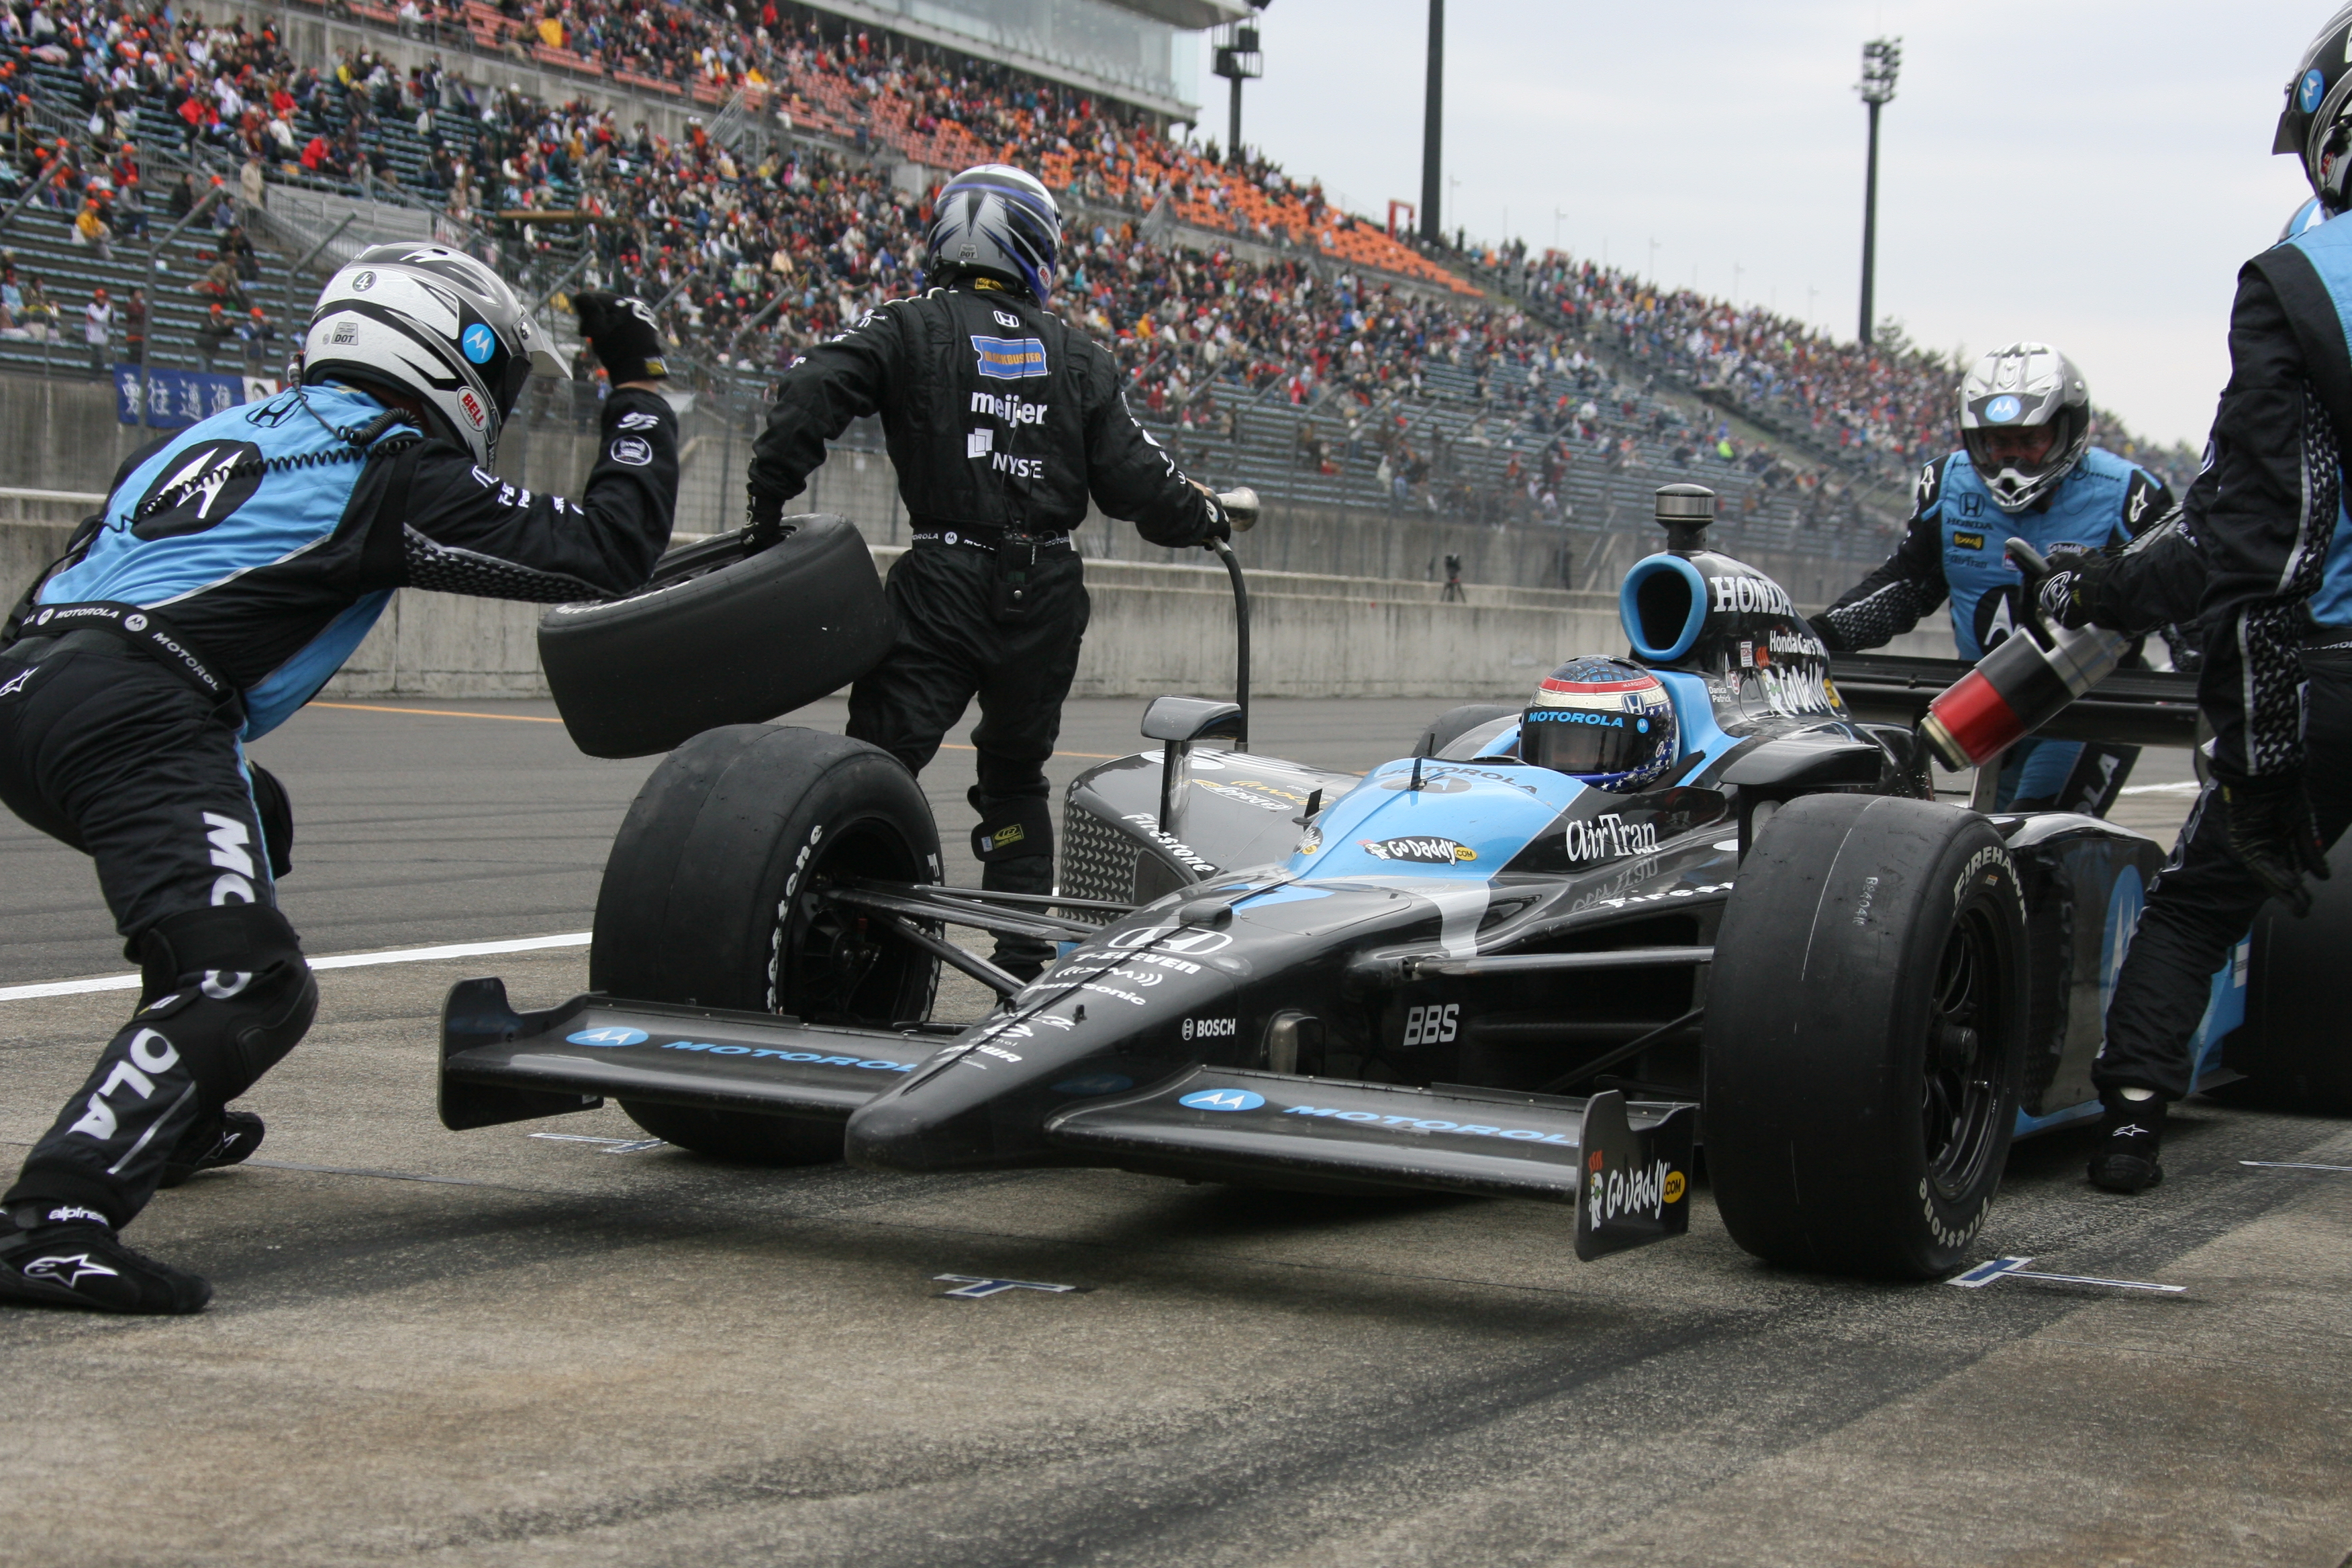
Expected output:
{"points": [[1865, 1037], [1455, 722], [724, 633], [2293, 1046], [713, 897]]}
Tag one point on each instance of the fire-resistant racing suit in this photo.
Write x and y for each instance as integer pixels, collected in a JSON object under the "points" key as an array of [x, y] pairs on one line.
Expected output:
{"points": [[1952, 548], [2266, 520], [237, 564], [1000, 422]]}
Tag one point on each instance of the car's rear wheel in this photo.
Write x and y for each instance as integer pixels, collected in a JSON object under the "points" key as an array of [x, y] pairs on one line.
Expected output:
{"points": [[2294, 1047], [1864, 1036], [713, 897]]}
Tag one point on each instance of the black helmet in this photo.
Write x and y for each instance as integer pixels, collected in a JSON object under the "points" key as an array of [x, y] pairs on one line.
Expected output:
{"points": [[999, 222], [2313, 125], [1606, 721]]}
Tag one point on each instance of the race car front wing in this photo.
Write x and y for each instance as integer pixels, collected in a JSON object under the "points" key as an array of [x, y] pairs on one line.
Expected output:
{"points": [[1625, 1167]]}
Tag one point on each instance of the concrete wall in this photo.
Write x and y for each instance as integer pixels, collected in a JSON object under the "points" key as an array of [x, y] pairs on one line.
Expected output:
{"points": [[1156, 628]]}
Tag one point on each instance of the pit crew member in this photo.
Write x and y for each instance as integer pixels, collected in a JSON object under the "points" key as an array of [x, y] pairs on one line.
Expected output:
{"points": [[1000, 421], [237, 565], [2276, 684], [2026, 468]]}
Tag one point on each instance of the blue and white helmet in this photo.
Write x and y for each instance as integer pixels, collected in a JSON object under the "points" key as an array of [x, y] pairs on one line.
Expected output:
{"points": [[429, 323], [1605, 721], [1000, 221], [2024, 386]]}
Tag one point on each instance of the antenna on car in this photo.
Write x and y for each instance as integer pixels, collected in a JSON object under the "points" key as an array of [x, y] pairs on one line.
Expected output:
{"points": [[1685, 511]]}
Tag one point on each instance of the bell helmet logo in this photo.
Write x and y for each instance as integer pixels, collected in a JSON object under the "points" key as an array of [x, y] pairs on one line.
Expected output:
{"points": [[1222, 1100], [479, 344], [473, 407], [2002, 409]]}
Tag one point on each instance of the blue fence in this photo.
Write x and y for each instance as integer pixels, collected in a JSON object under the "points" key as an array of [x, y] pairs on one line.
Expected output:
{"points": [[178, 397]]}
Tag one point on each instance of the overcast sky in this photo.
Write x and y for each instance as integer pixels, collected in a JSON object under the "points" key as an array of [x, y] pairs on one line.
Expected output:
{"points": [[2085, 172]]}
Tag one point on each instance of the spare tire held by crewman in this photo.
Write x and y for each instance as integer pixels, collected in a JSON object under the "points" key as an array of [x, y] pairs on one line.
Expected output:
{"points": [[726, 633]]}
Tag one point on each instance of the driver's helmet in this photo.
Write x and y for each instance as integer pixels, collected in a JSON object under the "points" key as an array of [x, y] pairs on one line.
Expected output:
{"points": [[1605, 721], [2025, 386]]}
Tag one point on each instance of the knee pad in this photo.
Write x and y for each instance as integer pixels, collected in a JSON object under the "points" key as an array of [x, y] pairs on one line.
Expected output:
{"points": [[228, 985], [1019, 828]]}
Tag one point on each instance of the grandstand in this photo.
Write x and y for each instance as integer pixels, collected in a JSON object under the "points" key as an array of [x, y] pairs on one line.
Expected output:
{"points": [[1274, 339]]}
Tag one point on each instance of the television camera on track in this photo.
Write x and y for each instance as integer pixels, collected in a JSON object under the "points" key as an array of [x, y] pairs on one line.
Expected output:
{"points": [[1459, 972]]}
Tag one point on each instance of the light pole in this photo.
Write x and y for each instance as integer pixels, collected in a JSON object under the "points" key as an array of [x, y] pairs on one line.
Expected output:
{"points": [[1432, 126], [1239, 60], [1881, 58]]}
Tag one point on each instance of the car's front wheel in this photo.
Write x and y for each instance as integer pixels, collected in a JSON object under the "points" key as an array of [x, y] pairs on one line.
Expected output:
{"points": [[1864, 1036], [713, 896]]}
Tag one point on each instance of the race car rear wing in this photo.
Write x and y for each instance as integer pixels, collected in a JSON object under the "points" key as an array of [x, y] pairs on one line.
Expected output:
{"points": [[2129, 707]]}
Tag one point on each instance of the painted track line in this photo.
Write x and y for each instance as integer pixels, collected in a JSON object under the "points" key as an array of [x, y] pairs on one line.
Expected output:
{"points": [[336, 961]]}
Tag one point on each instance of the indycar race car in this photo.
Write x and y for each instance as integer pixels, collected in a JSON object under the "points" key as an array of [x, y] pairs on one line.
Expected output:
{"points": [[1459, 972]]}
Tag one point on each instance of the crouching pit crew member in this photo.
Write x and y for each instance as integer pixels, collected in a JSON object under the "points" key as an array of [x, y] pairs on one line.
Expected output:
{"points": [[2026, 470], [237, 564], [2276, 683], [1000, 421]]}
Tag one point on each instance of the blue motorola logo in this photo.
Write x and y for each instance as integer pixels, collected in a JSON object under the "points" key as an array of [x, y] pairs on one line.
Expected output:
{"points": [[1222, 1100], [479, 344], [2314, 85], [2002, 409], [607, 1038]]}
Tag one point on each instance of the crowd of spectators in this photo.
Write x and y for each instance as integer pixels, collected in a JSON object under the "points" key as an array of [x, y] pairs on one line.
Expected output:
{"points": [[756, 253]]}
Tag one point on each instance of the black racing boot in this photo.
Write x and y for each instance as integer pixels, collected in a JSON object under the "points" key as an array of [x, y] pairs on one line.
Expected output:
{"points": [[228, 1139], [80, 1262], [2125, 1161]]}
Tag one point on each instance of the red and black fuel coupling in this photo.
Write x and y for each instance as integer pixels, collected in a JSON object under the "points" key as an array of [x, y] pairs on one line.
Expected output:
{"points": [[2021, 684]]}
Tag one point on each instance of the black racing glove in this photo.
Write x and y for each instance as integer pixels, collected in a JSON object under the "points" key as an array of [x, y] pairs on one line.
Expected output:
{"points": [[1826, 629], [764, 514], [621, 329], [1221, 526], [2271, 834], [2074, 573]]}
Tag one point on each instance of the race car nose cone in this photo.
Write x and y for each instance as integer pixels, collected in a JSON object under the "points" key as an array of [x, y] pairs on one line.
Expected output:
{"points": [[893, 1135]]}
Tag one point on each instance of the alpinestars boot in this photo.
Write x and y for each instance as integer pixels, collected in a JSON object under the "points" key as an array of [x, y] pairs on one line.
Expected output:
{"points": [[2125, 1161], [80, 1262], [227, 1138]]}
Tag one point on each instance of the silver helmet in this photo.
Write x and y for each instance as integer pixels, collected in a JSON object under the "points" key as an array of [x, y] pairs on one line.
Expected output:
{"points": [[997, 220], [434, 324], [2025, 386]]}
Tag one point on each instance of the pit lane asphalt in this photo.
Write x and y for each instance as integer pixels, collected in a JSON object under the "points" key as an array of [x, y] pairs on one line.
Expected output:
{"points": [[496, 1348]]}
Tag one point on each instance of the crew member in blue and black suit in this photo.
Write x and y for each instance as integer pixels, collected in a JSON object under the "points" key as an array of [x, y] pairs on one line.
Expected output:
{"points": [[2266, 523], [1000, 421], [236, 567], [2026, 470]]}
